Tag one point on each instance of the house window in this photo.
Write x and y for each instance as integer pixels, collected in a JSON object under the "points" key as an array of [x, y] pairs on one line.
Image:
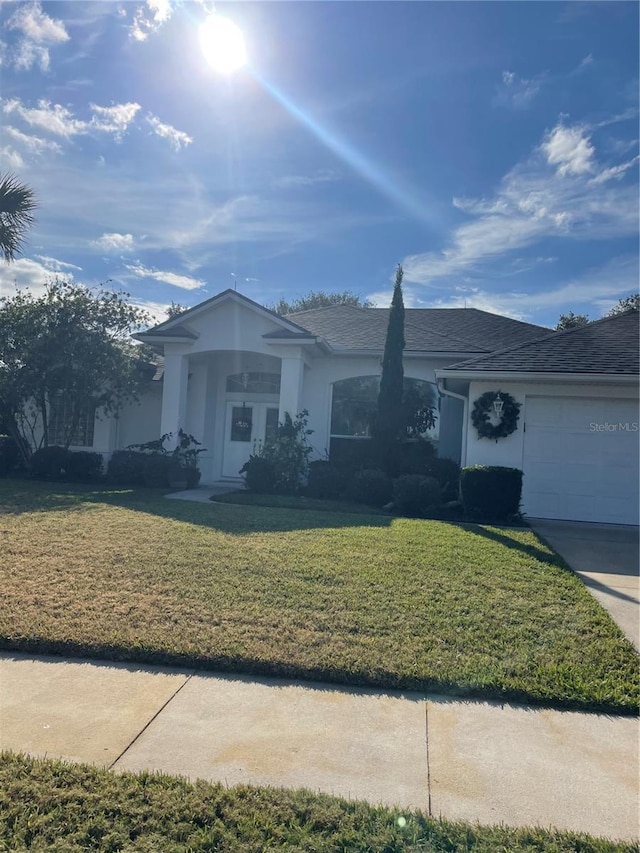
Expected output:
{"points": [[70, 423], [254, 382], [355, 403]]}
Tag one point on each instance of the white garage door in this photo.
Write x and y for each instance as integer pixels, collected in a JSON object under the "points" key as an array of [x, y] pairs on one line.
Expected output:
{"points": [[581, 459]]}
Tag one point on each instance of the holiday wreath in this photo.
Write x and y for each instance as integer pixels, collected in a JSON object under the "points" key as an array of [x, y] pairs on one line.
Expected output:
{"points": [[483, 408]]}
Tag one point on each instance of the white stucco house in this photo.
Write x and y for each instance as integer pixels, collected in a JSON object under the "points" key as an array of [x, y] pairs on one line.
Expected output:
{"points": [[231, 370]]}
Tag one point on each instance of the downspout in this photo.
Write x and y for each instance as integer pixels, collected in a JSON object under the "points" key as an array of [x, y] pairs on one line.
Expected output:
{"points": [[465, 409]]}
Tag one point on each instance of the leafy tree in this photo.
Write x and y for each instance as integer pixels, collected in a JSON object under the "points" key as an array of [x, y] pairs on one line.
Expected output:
{"points": [[571, 321], [390, 415], [175, 309], [319, 299], [625, 304], [70, 346], [17, 203]]}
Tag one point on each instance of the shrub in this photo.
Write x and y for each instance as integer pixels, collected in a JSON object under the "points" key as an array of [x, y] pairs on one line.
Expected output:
{"points": [[397, 458], [415, 494], [259, 475], [491, 492], [370, 486], [288, 454], [409, 457], [83, 465], [48, 463], [353, 454], [126, 468], [447, 473], [10, 457], [155, 470], [326, 481]]}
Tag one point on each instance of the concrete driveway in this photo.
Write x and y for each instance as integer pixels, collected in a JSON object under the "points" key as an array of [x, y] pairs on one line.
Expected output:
{"points": [[605, 557]]}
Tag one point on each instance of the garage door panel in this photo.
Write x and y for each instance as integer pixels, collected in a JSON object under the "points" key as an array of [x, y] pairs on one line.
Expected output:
{"points": [[574, 471]]}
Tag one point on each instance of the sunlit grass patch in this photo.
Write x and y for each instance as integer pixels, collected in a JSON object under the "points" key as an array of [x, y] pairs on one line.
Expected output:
{"points": [[360, 599]]}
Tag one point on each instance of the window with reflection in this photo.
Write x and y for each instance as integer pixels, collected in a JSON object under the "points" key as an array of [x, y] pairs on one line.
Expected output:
{"points": [[355, 403], [254, 382]]}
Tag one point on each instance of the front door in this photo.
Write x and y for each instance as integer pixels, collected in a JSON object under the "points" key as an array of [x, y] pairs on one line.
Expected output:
{"points": [[247, 427]]}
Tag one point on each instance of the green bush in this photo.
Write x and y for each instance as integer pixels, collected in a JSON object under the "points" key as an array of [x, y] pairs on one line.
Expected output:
{"points": [[326, 481], [156, 470], [259, 475], [48, 463], [10, 457], [491, 492], [415, 494], [82, 466], [370, 486], [397, 458], [126, 468], [287, 454], [447, 473]]}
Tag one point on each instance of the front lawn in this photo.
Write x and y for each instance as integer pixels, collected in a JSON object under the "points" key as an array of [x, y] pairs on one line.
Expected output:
{"points": [[358, 599], [51, 806]]}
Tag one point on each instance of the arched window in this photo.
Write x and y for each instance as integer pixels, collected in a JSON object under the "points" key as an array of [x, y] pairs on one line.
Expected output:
{"points": [[355, 403]]}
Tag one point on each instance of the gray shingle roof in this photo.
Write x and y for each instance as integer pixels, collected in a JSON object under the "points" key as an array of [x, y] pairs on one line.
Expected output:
{"points": [[608, 346], [454, 330]]}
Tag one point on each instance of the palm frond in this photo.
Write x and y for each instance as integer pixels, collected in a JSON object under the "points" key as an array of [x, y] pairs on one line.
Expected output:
{"points": [[17, 203]]}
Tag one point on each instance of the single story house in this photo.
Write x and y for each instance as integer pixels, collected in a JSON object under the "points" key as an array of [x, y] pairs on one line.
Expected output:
{"points": [[232, 369]]}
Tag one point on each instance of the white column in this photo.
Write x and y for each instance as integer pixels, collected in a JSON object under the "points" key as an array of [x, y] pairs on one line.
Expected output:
{"points": [[174, 393], [291, 377]]}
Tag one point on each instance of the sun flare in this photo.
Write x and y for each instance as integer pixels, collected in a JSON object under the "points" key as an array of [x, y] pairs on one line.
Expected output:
{"points": [[223, 44]]}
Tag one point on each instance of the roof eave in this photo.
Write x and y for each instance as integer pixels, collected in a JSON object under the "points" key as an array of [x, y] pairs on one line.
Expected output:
{"points": [[538, 376]]}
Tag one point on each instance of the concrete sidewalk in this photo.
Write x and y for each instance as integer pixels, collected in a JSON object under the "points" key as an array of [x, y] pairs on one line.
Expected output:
{"points": [[474, 761]]}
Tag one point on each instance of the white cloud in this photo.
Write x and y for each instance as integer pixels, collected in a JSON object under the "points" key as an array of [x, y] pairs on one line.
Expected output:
{"points": [[39, 31], [115, 119], [60, 121], [177, 138], [570, 149], [114, 242], [11, 158], [158, 311], [516, 91], [185, 282], [534, 202], [33, 144], [26, 273], [599, 287], [323, 176], [54, 118], [614, 172], [55, 265], [149, 18], [36, 25]]}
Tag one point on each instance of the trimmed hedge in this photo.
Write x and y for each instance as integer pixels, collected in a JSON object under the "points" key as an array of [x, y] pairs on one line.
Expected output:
{"points": [[59, 463], [83, 466], [371, 487], [48, 463], [414, 494], [326, 481], [491, 492], [10, 457], [126, 468]]}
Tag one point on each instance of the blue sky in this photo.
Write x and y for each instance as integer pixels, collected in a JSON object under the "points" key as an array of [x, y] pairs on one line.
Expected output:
{"points": [[491, 148]]}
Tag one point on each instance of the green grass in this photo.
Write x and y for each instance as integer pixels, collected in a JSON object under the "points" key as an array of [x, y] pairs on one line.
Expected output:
{"points": [[52, 807], [244, 498], [358, 599]]}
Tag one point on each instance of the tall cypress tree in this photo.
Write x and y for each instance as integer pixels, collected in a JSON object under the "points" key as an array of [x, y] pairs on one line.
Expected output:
{"points": [[390, 414]]}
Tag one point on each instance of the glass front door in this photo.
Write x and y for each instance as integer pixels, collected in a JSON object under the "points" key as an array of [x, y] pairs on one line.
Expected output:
{"points": [[248, 426]]}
